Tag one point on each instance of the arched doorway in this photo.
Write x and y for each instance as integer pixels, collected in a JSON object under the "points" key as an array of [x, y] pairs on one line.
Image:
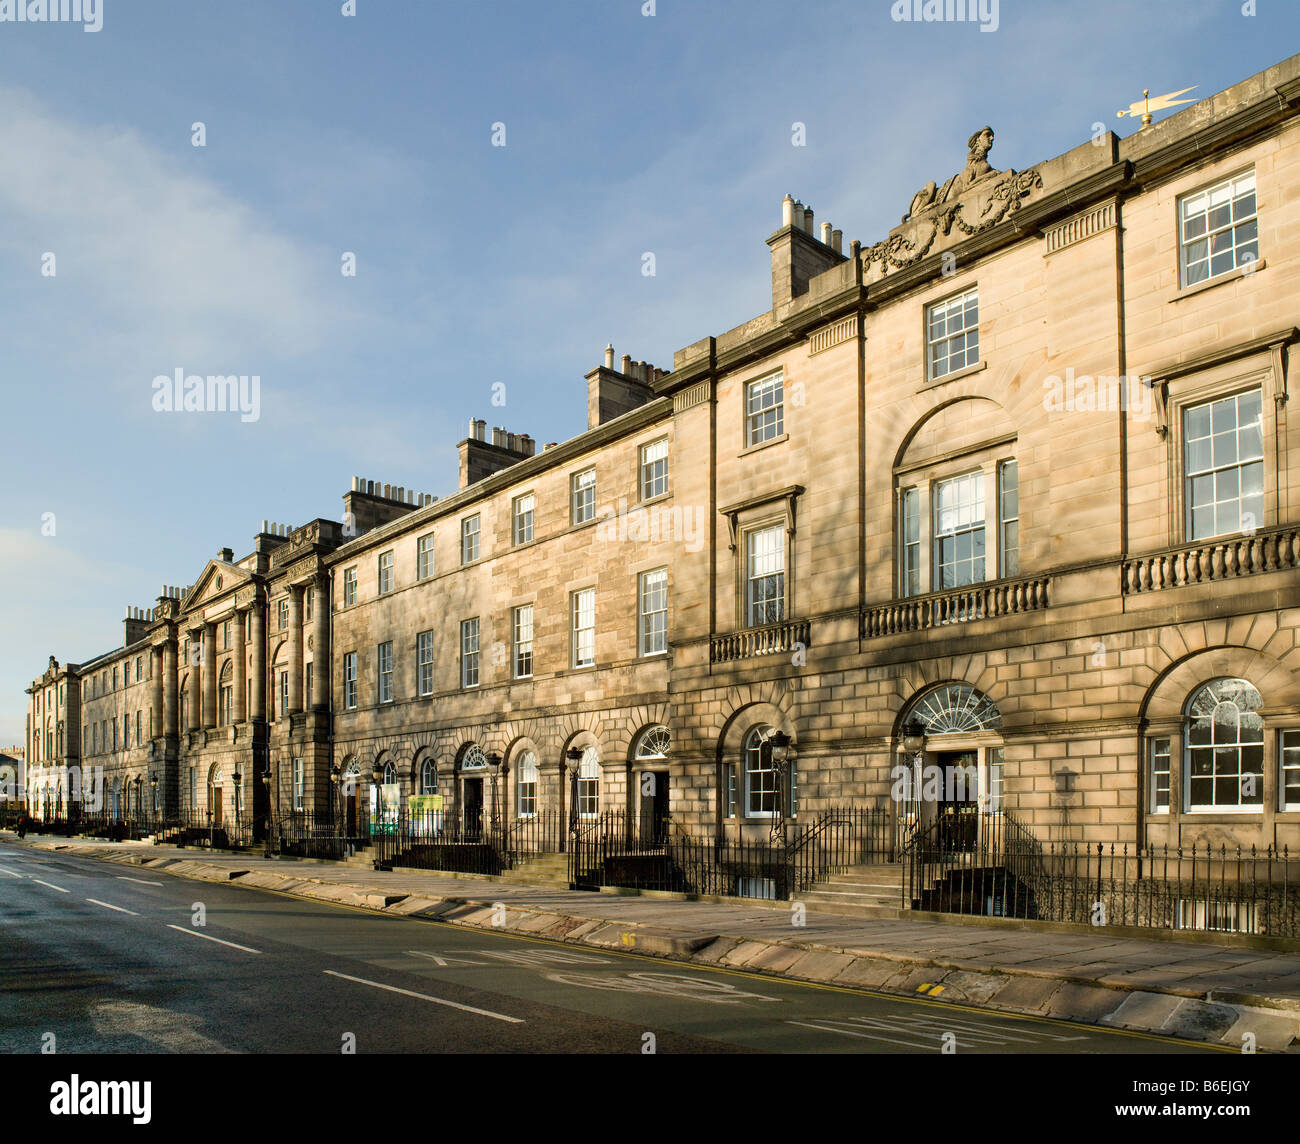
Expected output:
{"points": [[349, 784], [948, 781], [472, 769], [650, 776], [216, 794]]}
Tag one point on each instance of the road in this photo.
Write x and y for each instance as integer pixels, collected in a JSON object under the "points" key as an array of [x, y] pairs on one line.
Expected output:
{"points": [[112, 962]]}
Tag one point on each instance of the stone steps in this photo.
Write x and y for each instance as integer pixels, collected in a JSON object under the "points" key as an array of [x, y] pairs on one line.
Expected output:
{"points": [[865, 890]]}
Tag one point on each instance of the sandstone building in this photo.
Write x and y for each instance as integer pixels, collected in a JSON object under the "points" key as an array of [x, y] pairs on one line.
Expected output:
{"points": [[1020, 472]]}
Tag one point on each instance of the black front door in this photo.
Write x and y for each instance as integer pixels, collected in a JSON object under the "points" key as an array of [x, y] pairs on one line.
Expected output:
{"points": [[958, 800], [654, 806], [473, 807]]}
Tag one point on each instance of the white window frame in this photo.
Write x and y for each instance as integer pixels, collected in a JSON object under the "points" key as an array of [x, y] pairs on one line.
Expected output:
{"points": [[1195, 227], [652, 623], [526, 786], [1159, 774], [582, 606], [1214, 472], [424, 663], [522, 510], [384, 669], [589, 784], [965, 304], [974, 480], [424, 556], [469, 652], [349, 586], [299, 784], [1288, 768], [384, 572], [582, 496], [764, 409], [349, 681], [652, 472], [522, 632], [1189, 750], [471, 528], [753, 577]]}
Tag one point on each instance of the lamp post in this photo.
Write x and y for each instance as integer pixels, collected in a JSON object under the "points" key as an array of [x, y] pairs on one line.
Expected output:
{"points": [[494, 770], [779, 744], [336, 803], [270, 809], [153, 797], [913, 746], [238, 780], [376, 782], [573, 762]]}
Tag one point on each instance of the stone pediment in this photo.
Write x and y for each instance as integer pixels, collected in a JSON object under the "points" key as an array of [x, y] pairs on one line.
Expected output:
{"points": [[217, 581], [975, 199]]}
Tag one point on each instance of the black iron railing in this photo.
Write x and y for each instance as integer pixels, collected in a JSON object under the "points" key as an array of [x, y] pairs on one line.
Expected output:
{"points": [[838, 839], [312, 834], [990, 864]]}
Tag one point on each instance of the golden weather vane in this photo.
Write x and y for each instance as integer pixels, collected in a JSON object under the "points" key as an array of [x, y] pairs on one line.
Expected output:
{"points": [[1145, 106]]}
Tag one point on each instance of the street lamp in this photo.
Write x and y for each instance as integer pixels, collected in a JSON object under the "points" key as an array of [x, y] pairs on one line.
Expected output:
{"points": [[913, 742], [494, 770], [153, 792], [779, 744], [270, 810], [238, 780], [573, 761]]}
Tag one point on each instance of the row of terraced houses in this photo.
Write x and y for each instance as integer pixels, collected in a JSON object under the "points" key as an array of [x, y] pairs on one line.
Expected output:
{"points": [[1016, 479]]}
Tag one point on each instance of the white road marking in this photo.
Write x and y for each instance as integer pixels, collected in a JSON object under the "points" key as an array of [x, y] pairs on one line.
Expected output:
{"points": [[441, 962], [206, 937], [6, 870], [426, 997], [50, 884], [141, 881], [110, 906]]}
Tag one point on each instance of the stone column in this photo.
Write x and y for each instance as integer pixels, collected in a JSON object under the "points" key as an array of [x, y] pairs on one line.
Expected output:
{"points": [[239, 675], [170, 702], [259, 661], [323, 671], [193, 694], [155, 692], [209, 675], [295, 647]]}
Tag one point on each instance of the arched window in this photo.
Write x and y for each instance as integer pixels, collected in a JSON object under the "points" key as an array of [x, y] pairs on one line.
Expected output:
{"points": [[760, 778], [390, 773], [653, 744], [527, 771], [589, 783], [955, 707], [1225, 747], [428, 777]]}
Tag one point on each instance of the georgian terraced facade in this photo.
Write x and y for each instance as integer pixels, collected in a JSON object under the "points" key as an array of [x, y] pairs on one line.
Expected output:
{"points": [[1022, 471]]}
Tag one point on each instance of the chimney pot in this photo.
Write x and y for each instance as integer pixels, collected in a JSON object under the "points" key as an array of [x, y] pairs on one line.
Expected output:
{"points": [[609, 356], [837, 241], [808, 220], [787, 211], [827, 231], [626, 366]]}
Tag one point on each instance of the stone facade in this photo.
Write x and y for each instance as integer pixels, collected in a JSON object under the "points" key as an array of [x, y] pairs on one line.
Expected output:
{"points": [[959, 476]]}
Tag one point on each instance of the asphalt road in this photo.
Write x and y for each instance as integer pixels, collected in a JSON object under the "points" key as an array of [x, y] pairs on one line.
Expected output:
{"points": [[112, 962]]}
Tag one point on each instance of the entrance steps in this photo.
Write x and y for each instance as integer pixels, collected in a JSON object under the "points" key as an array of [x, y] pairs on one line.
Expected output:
{"points": [[541, 870], [873, 890]]}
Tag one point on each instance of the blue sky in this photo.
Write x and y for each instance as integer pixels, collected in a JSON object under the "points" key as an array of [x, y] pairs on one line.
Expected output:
{"points": [[475, 264]]}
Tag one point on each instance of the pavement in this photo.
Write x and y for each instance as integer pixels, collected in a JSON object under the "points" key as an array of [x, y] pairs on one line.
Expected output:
{"points": [[1225, 994]]}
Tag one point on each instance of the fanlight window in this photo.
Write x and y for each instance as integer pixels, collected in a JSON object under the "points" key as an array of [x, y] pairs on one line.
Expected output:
{"points": [[956, 707], [1225, 747], [654, 744], [473, 759]]}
